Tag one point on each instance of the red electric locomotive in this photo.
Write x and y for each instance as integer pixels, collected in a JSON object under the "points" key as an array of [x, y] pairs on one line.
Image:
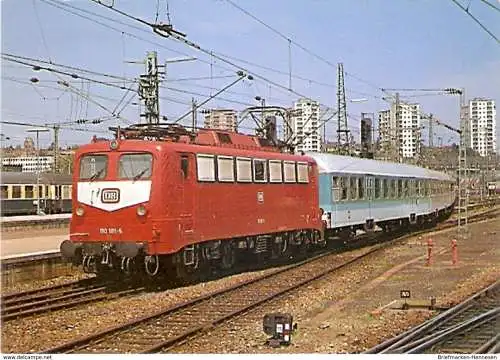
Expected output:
{"points": [[181, 202]]}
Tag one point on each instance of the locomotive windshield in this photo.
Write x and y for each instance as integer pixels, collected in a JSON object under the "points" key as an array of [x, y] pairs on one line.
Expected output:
{"points": [[93, 167], [135, 166]]}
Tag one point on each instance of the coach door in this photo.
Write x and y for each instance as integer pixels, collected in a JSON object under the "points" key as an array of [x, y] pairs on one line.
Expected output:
{"points": [[370, 185], [187, 174]]}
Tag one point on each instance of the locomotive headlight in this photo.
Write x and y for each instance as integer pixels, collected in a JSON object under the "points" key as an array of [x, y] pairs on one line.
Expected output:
{"points": [[141, 210], [79, 211], [113, 144]]}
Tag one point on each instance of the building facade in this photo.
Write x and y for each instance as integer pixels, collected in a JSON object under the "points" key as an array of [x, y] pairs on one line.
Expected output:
{"points": [[482, 129], [29, 163], [222, 119], [400, 139], [305, 125]]}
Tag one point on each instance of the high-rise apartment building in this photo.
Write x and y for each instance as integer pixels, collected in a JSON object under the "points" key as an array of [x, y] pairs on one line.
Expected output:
{"points": [[400, 138], [482, 128], [305, 125], [222, 119]]}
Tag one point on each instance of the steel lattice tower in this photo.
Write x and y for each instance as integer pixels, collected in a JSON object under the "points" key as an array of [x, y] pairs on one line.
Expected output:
{"points": [[342, 128]]}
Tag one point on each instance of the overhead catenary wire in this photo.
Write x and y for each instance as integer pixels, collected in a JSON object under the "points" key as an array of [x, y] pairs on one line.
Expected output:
{"points": [[67, 7], [290, 41], [476, 20]]}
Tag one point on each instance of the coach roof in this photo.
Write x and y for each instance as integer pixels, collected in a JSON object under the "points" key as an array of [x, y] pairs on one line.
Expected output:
{"points": [[329, 163]]}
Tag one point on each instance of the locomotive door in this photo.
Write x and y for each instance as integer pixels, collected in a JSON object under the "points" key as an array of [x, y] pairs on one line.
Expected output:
{"points": [[187, 182]]}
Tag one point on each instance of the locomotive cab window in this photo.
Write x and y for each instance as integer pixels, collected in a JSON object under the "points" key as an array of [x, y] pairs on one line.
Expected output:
{"points": [[302, 173], [135, 166], [259, 171], [93, 167], [205, 165]]}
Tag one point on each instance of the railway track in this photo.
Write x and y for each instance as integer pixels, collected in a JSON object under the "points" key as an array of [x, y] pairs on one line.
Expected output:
{"points": [[62, 296], [470, 327], [177, 324]]}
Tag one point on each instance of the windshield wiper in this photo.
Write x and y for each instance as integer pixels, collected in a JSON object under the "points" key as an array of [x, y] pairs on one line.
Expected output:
{"points": [[139, 175], [96, 175]]}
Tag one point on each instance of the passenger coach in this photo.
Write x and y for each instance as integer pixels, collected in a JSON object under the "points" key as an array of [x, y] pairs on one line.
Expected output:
{"points": [[360, 193]]}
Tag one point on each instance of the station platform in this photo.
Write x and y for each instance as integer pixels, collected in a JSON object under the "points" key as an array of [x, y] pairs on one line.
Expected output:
{"points": [[33, 218], [21, 247]]}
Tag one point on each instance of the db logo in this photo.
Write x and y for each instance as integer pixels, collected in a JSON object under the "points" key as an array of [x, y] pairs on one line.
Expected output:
{"points": [[110, 196]]}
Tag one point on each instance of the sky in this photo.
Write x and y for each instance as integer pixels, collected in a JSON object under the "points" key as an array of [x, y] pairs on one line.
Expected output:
{"points": [[410, 44]]}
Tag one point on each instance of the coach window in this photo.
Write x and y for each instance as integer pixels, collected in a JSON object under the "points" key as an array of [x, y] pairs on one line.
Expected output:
{"points": [[353, 188], [336, 188], [29, 191], [400, 189], [225, 169], [289, 171], [275, 171], [377, 188], [361, 188], [385, 185], [259, 171], [302, 173], [93, 167], [16, 192], [344, 187], [66, 192], [243, 170], [5, 192]]}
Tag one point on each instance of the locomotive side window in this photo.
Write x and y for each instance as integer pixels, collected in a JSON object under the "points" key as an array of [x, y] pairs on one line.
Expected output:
{"points": [[135, 166], [259, 171], [93, 167], [275, 171], [205, 167], [302, 173], [225, 168], [289, 170], [243, 170]]}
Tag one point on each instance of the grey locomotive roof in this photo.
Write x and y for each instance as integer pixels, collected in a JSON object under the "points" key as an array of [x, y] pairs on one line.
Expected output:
{"points": [[9, 177], [329, 163]]}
